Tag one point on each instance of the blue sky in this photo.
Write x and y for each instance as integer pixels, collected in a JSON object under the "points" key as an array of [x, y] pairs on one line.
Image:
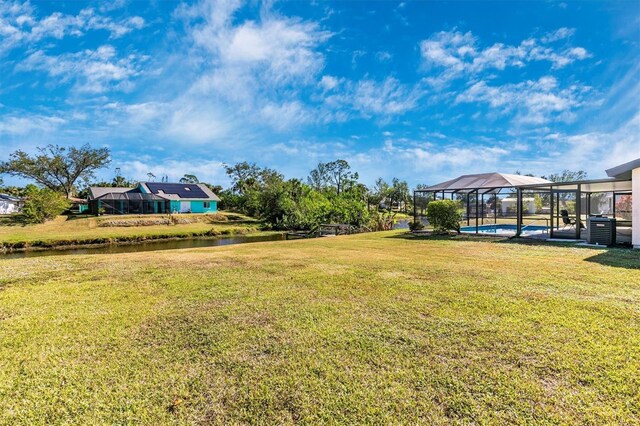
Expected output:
{"points": [[424, 91]]}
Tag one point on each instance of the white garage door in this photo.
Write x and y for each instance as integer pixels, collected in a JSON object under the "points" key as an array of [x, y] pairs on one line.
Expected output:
{"points": [[185, 206]]}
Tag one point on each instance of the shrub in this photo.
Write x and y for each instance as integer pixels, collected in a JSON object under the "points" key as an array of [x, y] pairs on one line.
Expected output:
{"points": [[381, 221], [416, 226], [43, 204], [134, 222], [444, 215]]}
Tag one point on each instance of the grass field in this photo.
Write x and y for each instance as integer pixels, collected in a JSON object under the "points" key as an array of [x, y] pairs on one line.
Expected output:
{"points": [[371, 328], [87, 229]]}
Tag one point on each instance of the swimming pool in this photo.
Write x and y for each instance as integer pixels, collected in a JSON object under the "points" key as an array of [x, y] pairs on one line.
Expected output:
{"points": [[505, 229]]}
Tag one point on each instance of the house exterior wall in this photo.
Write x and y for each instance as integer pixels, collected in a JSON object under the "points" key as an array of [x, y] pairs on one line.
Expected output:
{"points": [[528, 205], [635, 207], [9, 207], [198, 207]]}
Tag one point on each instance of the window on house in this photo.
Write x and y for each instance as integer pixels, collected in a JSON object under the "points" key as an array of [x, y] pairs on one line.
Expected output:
{"points": [[187, 189], [207, 204]]}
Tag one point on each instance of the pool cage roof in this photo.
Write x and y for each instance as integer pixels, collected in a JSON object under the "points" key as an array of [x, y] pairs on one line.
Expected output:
{"points": [[484, 183], [129, 196], [477, 185]]}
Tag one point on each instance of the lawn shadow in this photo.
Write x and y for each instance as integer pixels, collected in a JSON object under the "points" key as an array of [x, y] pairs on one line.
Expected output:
{"points": [[619, 258], [610, 256], [13, 220], [445, 237], [77, 216]]}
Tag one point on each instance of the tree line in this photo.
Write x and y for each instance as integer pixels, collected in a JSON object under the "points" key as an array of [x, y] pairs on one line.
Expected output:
{"points": [[331, 193]]}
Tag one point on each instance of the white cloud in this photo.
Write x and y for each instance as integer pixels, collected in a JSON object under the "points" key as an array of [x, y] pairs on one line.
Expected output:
{"points": [[455, 54], [383, 56], [597, 151], [210, 171], [389, 97], [276, 50], [255, 65], [535, 102], [29, 124], [371, 98], [559, 34], [283, 116], [20, 25], [200, 125], [94, 71], [328, 82]]}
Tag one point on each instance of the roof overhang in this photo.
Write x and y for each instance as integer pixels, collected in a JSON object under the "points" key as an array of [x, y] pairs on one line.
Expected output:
{"points": [[623, 171], [594, 185]]}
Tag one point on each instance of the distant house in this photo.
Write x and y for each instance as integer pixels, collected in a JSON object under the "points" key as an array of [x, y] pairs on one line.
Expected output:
{"points": [[153, 197], [78, 205], [509, 205], [10, 204]]}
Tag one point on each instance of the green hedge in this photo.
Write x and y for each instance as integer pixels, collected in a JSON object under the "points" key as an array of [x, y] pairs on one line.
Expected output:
{"points": [[444, 215]]}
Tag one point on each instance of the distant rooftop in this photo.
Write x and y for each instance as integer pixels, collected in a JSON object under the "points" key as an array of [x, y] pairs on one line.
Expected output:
{"points": [[7, 197]]}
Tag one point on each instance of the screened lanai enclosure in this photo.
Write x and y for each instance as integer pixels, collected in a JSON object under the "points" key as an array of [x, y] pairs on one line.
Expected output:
{"points": [[576, 208], [506, 204], [489, 202], [130, 202]]}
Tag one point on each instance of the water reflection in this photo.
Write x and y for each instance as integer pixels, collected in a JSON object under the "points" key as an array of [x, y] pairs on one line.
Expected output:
{"points": [[150, 246]]}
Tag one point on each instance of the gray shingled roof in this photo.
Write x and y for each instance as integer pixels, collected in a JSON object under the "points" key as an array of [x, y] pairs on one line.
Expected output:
{"points": [[99, 191], [7, 197]]}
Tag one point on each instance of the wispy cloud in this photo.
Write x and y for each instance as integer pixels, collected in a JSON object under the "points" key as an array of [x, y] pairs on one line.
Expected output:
{"points": [[534, 102], [20, 25], [207, 171], [453, 54], [257, 67], [92, 71], [29, 124], [370, 98]]}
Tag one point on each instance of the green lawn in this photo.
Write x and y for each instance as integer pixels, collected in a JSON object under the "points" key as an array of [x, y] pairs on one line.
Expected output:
{"points": [[370, 328], [88, 229]]}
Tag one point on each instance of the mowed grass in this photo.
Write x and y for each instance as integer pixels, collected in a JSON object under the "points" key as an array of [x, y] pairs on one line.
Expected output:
{"points": [[65, 228], [371, 328]]}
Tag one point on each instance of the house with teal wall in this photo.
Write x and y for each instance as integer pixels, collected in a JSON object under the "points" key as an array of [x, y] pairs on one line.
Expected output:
{"points": [[153, 197]]}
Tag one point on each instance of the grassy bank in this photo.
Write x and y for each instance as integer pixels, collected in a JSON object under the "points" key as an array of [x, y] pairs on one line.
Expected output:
{"points": [[71, 231], [369, 328]]}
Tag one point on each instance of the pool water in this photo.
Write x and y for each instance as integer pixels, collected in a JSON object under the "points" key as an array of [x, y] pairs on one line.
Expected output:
{"points": [[504, 229]]}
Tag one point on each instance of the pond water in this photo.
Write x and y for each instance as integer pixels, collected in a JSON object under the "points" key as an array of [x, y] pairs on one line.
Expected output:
{"points": [[150, 246], [163, 245], [404, 223]]}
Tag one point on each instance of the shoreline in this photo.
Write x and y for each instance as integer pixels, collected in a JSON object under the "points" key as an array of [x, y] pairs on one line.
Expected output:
{"points": [[102, 242]]}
